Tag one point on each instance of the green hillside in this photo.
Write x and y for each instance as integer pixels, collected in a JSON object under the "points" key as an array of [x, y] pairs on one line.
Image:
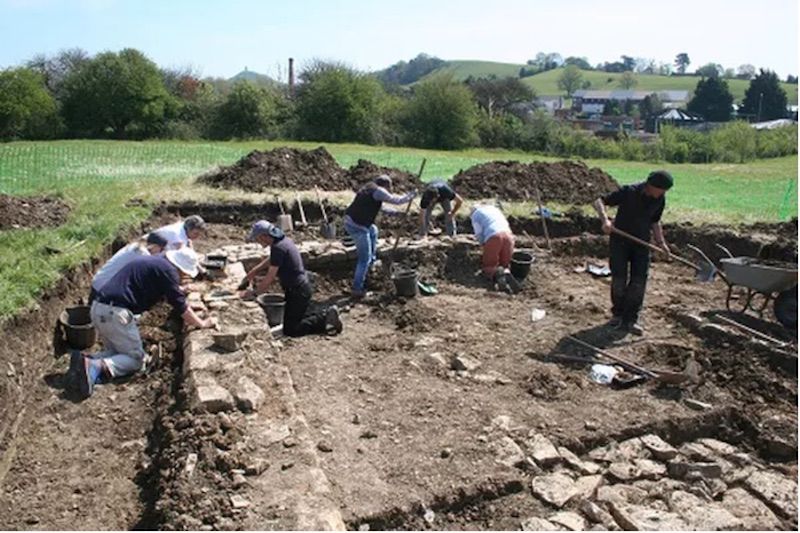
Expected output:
{"points": [[546, 82]]}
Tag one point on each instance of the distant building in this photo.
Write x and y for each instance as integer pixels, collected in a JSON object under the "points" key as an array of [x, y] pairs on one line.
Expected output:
{"points": [[592, 102], [551, 104], [674, 117]]}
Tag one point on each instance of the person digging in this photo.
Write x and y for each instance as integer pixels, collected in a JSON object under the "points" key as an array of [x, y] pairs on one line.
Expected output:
{"points": [[284, 262], [639, 210], [137, 287], [439, 192], [359, 222], [494, 235]]}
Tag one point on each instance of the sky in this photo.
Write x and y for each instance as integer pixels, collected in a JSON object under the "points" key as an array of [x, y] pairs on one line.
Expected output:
{"points": [[222, 37]]}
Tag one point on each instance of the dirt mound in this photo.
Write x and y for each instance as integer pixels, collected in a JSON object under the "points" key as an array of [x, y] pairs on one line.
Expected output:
{"points": [[364, 171], [31, 212], [569, 182], [293, 168]]}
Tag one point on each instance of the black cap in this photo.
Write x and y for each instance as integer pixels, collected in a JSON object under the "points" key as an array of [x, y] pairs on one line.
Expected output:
{"points": [[156, 238], [661, 179]]}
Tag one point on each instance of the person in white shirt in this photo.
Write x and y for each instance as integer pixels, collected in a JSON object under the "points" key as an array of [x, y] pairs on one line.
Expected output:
{"points": [[494, 235], [153, 244], [183, 232]]}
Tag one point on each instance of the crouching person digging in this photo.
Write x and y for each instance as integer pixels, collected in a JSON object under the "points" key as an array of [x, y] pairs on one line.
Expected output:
{"points": [[137, 287], [284, 262]]}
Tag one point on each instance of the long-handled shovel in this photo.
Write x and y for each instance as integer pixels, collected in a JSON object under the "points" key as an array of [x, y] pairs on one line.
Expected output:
{"points": [[389, 266], [704, 273], [664, 376]]}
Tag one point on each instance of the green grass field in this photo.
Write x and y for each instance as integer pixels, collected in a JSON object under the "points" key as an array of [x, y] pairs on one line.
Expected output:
{"points": [[98, 178], [546, 83]]}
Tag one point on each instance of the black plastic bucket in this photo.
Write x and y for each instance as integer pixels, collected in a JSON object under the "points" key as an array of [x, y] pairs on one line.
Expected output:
{"points": [[521, 261], [405, 283], [77, 324], [273, 306]]}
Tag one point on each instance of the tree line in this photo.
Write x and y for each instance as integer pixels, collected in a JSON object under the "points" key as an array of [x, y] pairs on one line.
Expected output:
{"points": [[124, 95]]}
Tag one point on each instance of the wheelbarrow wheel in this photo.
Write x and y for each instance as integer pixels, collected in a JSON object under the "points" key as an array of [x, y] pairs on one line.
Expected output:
{"points": [[786, 308]]}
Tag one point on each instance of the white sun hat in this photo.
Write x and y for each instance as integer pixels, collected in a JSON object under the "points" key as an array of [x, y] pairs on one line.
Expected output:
{"points": [[185, 259]]}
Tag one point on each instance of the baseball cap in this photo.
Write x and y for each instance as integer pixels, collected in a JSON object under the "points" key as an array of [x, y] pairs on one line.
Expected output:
{"points": [[262, 227]]}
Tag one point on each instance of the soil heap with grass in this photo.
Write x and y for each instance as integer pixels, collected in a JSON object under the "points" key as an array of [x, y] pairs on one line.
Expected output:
{"points": [[293, 168], [568, 182], [32, 212]]}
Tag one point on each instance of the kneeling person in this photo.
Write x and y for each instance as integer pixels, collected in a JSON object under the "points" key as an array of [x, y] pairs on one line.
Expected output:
{"points": [[285, 263], [137, 287]]}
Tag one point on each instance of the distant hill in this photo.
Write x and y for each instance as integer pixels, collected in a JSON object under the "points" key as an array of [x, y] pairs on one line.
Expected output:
{"points": [[254, 77], [546, 83]]}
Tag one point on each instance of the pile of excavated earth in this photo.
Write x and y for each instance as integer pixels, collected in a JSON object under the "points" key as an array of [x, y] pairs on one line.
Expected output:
{"points": [[568, 182], [294, 168], [462, 410], [31, 212]]}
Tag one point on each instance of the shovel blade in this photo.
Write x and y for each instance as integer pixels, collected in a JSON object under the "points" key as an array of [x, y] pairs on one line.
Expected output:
{"points": [[706, 273]]}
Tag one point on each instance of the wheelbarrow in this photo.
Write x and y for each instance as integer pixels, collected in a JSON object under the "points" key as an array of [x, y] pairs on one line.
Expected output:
{"points": [[775, 281]]}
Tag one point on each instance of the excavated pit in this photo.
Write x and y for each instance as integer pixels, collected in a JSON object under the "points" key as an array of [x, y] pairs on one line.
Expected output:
{"points": [[427, 413]]}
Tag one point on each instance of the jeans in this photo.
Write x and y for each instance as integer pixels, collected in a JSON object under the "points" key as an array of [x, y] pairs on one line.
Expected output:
{"points": [[629, 263], [296, 321], [123, 352], [366, 239], [449, 222]]}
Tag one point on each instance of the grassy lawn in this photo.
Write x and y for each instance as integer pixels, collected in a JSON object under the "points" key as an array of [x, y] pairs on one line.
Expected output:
{"points": [[546, 83], [97, 178]]}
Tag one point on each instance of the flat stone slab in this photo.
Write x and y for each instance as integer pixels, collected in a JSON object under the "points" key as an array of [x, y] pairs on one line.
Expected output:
{"points": [[213, 398], [555, 489], [778, 491]]}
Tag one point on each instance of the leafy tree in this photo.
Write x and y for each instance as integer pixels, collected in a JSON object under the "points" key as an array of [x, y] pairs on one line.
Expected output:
{"points": [[570, 79], [765, 98], [791, 79], [710, 70], [27, 109], [336, 103], [57, 68], [628, 62], [746, 72], [628, 80], [496, 94], [118, 93], [712, 100], [650, 105], [248, 111], [612, 108], [441, 114], [546, 61], [729, 74], [579, 62], [682, 62], [403, 73]]}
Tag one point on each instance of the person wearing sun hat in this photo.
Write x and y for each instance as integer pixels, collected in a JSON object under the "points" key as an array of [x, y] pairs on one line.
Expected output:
{"points": [[286, 264], [138, 286], [639, 210]]}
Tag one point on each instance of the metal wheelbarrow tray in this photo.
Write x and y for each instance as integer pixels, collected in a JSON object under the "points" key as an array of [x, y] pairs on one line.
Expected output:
{"points": [[758, 276]]}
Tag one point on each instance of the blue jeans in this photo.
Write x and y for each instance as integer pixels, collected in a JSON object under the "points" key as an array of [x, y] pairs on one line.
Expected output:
{"points": [[366, 240]]}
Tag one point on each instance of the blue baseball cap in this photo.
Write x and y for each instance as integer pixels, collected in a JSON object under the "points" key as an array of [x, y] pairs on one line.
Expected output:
{"points": [[262, 227]]}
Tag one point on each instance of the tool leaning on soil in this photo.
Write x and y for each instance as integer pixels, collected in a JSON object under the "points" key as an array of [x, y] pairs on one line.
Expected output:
{"points": [[663, 376]]}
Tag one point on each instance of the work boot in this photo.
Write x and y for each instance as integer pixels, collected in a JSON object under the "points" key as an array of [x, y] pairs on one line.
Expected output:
{"points": [[333, 320], [501, 281], [86, 377], [75, 365], [513, 283], [634, 328], [615, 322], [356, 295]]}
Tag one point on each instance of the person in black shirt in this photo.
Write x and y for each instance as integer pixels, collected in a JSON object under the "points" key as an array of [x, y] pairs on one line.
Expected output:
{"points": [[439, 192], [138, 286], [285, 263], [639, 210]]}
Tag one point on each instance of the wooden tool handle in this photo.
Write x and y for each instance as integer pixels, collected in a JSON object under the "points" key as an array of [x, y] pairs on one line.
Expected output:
{"points": [[544, 221], [652, 246], [302, 211], [321, 205], [613, 357]]}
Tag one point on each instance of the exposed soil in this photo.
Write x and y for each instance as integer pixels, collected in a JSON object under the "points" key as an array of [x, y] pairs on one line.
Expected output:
{"points": [[31, 212], [407, 438], [569, 182], [294, 168]]}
